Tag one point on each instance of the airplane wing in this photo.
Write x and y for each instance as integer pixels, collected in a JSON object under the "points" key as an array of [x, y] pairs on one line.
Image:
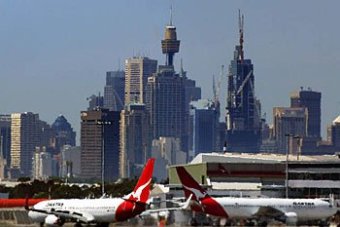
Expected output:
{"points": [[68, 215], [268, 211], [184, 206]]}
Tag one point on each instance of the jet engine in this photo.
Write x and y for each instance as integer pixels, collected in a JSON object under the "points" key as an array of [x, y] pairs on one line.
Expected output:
{"points": [[291, 218], [53, 221]]}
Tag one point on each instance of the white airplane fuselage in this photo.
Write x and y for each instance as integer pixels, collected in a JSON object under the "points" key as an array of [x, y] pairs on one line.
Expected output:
{"points": [[102, 210], [305, 209]]}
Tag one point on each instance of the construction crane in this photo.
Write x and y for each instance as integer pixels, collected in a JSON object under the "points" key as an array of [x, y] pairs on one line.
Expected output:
{"points": [[244, 82], [217, 86], [240, 26]]}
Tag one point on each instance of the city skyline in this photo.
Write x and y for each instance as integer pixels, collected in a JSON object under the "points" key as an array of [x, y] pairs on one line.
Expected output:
{"points": [[60, 51]]}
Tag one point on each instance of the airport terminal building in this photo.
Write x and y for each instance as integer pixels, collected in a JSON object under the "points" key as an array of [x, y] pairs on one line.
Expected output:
{"points": [[257, 175]]}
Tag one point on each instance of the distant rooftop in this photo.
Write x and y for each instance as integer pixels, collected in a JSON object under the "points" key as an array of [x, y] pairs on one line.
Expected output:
{"points": [[337, 120], [61, 124], [202, 104], [258, 158]]}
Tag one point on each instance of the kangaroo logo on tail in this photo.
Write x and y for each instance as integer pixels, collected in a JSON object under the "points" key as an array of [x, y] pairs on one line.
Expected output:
{"points": [[204, 202], [197, 193], [138, 193], [141, 191], [190, 186]]}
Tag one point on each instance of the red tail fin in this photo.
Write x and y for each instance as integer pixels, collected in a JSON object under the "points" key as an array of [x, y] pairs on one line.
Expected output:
{"points": [[190, 186], [142, 189]]}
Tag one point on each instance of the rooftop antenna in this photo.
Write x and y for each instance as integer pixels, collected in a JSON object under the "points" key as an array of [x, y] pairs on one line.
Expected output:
{"points": [[240, 26]]}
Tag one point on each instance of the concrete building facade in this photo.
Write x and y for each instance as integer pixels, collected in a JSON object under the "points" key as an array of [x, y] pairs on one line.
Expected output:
{"points": [[288, 121], [311, 100], [137, 70]]}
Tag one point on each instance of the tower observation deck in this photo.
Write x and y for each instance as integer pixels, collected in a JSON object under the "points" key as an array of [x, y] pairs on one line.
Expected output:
{"points": [[170, 44]]}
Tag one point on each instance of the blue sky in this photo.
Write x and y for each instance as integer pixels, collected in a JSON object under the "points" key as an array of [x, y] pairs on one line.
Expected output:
{"points": [[54, 54]]}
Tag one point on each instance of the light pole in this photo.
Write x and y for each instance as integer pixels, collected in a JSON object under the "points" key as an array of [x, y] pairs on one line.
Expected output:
{"points": [[286, 166], [103, 123], [288, 150], [299, 144]]}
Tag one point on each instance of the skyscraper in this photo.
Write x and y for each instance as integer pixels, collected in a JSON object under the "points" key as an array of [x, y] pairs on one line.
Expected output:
{"points": [[25, 136], [335, 132], [114, 90], [64, 133], [100, 144], [191, 93], [312, 101], [134, 139], [5, 138], [242, 118], [205, 119], [137, 70], [165, 103]]}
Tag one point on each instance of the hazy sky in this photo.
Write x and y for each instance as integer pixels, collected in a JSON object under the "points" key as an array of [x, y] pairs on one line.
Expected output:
{"points": [[54, 54]]}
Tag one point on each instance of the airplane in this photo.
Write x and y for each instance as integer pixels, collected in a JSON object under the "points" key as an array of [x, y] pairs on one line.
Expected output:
{"points": [[287, 210], [101, 212]]}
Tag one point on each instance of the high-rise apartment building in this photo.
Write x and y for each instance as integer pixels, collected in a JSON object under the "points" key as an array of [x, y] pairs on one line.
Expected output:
{"points": [[100, 144], [114, 90], [242, 118], [25, 136], [312, 101], [288, 123], [137, 71], [64, 134], [135, 139], [5, 138]]}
